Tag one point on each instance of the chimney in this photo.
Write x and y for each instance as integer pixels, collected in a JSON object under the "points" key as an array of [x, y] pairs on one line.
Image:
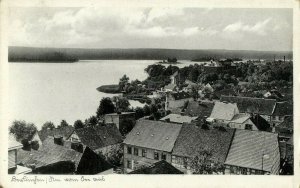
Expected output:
{"points": [[58, 140], [77, 146]]}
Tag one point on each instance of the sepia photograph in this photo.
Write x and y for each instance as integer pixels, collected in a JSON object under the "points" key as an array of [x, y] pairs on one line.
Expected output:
{"points": [[150, 90]]}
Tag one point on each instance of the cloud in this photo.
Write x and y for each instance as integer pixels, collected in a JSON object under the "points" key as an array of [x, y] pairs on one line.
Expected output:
{"points": [[258, 28]]}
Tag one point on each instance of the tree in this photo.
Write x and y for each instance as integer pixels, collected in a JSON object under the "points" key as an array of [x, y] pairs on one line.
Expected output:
{"points": [[122, 104], [48, 125], [201, 163], [91, 121], [195, 93], [78, 124], [63, 123], [115, 155], [127, 125], [23, 132], [139, 112], [106, 106], [147, 111], [123, 81]]}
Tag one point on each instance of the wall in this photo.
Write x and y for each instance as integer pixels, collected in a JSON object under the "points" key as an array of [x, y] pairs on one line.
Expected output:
{"points": [[12, 157], [241, 171], [243, 125], [138, 161], [112, 119]]}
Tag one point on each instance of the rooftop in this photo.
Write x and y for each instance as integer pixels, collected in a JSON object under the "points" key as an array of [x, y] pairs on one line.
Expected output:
{"points": [[224, 111], [177, 118], [254, 149], [99, 136], [283, 109], [199, 109], [193, 139], [252, 105], [12, 143], [154, 134], [65, 132]]}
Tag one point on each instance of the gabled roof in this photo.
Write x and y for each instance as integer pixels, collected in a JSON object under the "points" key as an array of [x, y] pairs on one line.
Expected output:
{"points": [[254, 149], [99, 136], [200, 109], [49, 153], [160, 167], [174, 74], [12, 143], [224, 111], [154, 134], [252, 105], [193, 139], [283, 109], [65, 132], [177, 118]]}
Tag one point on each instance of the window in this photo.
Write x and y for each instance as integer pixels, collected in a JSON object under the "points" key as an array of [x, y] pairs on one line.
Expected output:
{"points": [[248, 127], [129, 164], [129, 150], [163, 156], [136, 151], [174, 160], [231, 170], [144, 153], [156, 157], [244, 171]]}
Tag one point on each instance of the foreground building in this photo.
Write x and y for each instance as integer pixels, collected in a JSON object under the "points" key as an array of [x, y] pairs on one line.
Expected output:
{"points": [[148, 143], [253, 152], [194, 141], [14, 148], [101, 139], [57, 156], [160, 167]]}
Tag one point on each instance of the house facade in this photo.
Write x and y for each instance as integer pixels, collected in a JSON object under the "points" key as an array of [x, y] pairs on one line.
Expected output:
{"points": [[13, 148], [282, 110], [149, 142]]}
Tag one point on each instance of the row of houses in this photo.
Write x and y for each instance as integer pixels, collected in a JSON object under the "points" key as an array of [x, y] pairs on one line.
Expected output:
{"points": [[237, 151]]}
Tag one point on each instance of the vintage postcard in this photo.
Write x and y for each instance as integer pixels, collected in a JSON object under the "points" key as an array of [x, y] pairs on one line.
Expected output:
{"points": [[132, 93]]}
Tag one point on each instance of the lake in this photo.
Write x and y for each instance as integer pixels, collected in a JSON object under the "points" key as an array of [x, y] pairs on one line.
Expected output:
{"points": [[41, 92]]}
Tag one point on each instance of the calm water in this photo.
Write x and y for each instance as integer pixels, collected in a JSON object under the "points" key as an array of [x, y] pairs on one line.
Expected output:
{"points": [[41, 92]]}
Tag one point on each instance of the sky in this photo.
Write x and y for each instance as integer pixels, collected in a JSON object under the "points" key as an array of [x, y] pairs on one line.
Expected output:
{"points": [[173, 28]]}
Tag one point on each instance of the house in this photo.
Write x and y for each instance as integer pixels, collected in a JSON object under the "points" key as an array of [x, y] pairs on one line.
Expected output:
{"points": [[56, 157], [175, 78], [176, 100], [177, 118], [194, 141], [160, 167], [253, 152], [228, 114], [282, 110], [285, 129], [149, 142], [263, 107], [123, 120], [200, 109], [13, 149], [223, 112], [64, 131], [101, 139]]}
